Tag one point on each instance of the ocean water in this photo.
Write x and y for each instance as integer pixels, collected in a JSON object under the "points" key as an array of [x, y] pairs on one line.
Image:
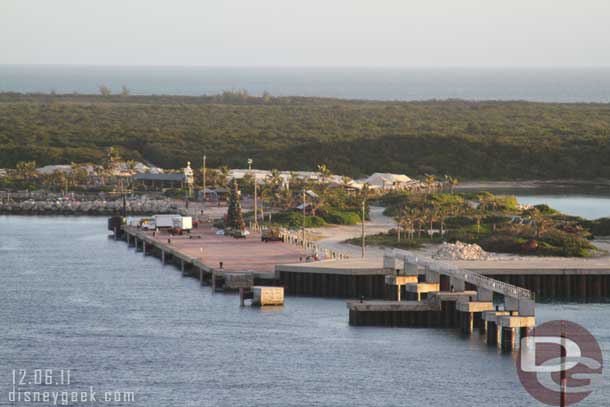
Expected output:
{"points": [[586, 206], [71, 298], [545, 85]]}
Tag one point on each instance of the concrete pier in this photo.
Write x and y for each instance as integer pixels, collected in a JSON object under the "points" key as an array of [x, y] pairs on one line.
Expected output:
{"points": [[393, 313], [249, 256], [349, 278]]}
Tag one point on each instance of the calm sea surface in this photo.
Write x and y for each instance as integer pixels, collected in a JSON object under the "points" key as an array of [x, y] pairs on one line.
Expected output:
{"points": [[547, 85], [71, 298]]}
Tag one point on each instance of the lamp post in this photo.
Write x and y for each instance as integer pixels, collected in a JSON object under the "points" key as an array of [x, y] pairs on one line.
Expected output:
{"points": [[363, 211], [250, 161], [203, 173], [303, 226]]}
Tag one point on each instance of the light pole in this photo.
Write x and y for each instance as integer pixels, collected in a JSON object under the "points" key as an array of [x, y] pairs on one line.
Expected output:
{"points": [[303, 226], [363, 211], [203, 171], [250, 161]]}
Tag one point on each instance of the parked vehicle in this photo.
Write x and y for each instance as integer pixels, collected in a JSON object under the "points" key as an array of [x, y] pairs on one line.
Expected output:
{"points": [[181, 225], [237, 234], [271, 234], [165, 221], [240, 234], [147, 224], [184, 223]]}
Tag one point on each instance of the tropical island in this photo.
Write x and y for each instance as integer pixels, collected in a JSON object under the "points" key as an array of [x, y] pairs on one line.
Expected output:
{"points": [[496, 223], [470, 140]]}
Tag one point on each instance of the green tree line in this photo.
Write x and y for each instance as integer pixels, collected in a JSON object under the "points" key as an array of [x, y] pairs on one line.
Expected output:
{"points": [[472, 140]]}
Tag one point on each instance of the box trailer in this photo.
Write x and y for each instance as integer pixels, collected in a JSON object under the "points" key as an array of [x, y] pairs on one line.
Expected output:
{"points": [[165, 221], [182, 223]]}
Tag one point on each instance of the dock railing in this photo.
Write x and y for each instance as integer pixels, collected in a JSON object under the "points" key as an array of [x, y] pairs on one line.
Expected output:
{"points": [[296, 238], [469, 276]]}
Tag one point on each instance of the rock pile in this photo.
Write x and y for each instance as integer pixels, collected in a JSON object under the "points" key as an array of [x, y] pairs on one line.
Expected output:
{"points": [[96, 207], [460, 251]]}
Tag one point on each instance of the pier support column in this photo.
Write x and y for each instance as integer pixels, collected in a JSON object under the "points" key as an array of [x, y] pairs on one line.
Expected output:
{"points": [[467, 322], [410, 269], [182, 266], [162, 256], [525, 331], [483, 327], [484, 295], [200, 276], [143, 247], [492, 333], [508, 339], [457, 284]]}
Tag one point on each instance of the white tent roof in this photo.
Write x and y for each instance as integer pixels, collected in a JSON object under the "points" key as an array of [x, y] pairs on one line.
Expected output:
{"points": [[50, 169], [381, 179]]}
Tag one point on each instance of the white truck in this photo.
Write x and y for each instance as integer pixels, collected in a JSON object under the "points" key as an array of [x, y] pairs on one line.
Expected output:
{"points": [[182, 223], [165, 221], [147, 223]]}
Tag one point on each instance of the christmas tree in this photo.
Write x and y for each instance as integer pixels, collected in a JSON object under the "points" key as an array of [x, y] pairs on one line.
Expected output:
{"points": [[235, 219]]}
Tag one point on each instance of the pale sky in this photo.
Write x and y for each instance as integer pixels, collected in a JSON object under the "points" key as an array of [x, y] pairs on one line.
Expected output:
{"points": [[399, 33]]}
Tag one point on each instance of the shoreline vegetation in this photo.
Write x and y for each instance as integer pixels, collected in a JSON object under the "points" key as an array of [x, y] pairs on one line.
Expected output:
{"points": [[490, 140], [497, 223]]}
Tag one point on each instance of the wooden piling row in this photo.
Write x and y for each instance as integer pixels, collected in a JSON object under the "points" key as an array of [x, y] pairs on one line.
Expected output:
{"points": [[584, 288], [336, 285]]}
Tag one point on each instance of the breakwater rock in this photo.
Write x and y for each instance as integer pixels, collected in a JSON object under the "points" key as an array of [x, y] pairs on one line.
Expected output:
{"points": [[95, 207], [460, 251]]}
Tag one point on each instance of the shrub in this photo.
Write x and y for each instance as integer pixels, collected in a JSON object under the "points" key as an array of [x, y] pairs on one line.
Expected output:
{"points": [[502, 244], [600, 227], [459, 221], [558, 243], [546, 210], [341, 217], [294, 219]]}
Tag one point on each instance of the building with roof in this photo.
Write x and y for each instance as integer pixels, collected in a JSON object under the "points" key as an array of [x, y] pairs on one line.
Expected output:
{"points": [[159, 182]]}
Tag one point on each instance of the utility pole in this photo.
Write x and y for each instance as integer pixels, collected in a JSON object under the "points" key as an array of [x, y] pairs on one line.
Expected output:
{"points": [[304, 206], [363, 211], [250, 161], [203, 173], [562, 375]]}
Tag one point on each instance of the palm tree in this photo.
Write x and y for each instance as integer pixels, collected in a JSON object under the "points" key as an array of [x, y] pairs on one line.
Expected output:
{"points": [[26, 169], [408, 218], [541, 222], [223, 176], [430, 181], [325, 173], [431, 215], [452, 182]]}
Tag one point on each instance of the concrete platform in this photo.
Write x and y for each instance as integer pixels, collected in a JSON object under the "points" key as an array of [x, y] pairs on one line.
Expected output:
{"points": [[400, 280], [508, 321], [383, 306], [492, 316], [421, 288], [453, 295], [537, 266], [205, 249], [351, 266], [474, 306]]}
